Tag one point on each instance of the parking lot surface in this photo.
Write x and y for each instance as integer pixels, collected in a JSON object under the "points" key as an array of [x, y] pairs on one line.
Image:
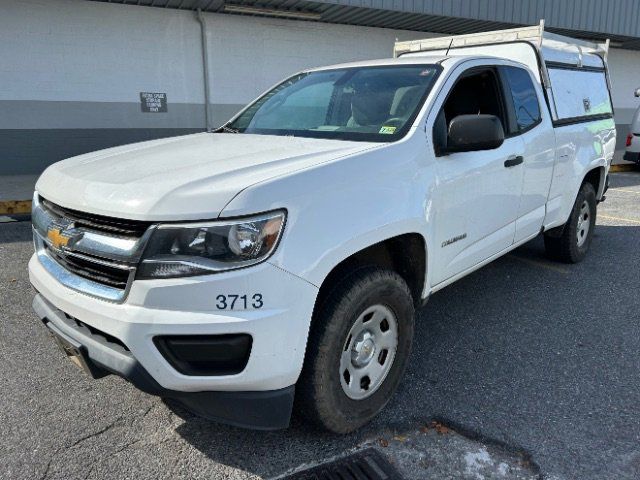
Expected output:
{"points": [[530, 367]]}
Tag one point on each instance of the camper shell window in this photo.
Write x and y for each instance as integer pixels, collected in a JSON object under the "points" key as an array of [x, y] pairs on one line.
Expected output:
{"points": [[580, 94]]}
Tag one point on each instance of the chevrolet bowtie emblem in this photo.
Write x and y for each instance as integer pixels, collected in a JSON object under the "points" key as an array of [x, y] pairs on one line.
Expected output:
{"points": [[62, 235], [57, 238]]}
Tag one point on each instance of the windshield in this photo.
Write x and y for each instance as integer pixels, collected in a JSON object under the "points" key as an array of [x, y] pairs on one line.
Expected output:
{"points": [[363, 103]]}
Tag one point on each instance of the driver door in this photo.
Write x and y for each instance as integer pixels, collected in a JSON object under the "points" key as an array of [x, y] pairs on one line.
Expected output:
{"points": [[478, 192]]}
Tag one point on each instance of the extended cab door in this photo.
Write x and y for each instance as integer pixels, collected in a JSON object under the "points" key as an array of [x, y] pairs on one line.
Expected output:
{"points": [[530, 122], [477, 196]]}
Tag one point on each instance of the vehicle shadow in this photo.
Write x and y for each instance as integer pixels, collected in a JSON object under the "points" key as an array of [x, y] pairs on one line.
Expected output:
{"points": [[514, 353]]}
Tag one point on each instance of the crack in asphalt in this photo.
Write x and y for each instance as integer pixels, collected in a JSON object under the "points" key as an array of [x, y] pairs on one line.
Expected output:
{"points": [[45, 474], [118, 450], [48, 466], [95, 434]]}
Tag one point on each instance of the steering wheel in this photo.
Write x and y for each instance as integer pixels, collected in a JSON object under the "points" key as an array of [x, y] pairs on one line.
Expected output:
{"points": [[394, 122]]}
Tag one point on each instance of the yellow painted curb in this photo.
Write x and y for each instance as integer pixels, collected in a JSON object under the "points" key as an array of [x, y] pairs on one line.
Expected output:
{"points": [[15, 207], [626, 167]]}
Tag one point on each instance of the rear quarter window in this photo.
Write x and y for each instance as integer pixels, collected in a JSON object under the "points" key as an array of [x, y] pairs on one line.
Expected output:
{"points": [[525, 99]]}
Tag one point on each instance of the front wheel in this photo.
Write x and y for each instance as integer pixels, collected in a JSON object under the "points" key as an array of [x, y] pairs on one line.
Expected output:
{"points": [[357, 351], [572, 245]]}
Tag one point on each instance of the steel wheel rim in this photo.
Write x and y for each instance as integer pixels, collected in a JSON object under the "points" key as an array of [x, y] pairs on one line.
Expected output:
{"points": [[584, 223], [368, 352]]}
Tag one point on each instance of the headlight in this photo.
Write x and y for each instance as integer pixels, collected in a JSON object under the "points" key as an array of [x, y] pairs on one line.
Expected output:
{"points": [[203, 248]]}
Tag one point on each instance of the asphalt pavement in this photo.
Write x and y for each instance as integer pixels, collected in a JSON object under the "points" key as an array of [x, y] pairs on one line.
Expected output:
{"points": [[529, 367]]}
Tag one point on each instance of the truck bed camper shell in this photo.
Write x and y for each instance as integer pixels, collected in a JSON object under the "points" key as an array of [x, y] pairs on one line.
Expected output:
{"points": [[573, 73]]}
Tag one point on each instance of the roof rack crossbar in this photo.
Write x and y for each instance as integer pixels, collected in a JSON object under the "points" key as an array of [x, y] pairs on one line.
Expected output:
{"points": [[536, 35]]}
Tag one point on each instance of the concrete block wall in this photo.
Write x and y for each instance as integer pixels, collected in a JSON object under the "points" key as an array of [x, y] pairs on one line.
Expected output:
{"points": [[71, 71]]}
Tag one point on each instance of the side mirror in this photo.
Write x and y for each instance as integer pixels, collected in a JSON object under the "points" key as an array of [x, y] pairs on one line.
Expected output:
{"points": [[637, 92], [469, 133]]}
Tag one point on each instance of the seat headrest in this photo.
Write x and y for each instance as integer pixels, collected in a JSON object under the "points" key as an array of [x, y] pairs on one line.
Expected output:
{"points": [[405, 100], [371, 108]]}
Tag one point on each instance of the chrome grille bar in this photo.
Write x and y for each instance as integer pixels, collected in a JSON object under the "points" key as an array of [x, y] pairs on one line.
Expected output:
{"points": [[99, 260]]}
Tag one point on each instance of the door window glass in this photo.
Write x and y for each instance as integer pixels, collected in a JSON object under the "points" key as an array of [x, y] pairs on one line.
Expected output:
{"points": [[525, 99]]}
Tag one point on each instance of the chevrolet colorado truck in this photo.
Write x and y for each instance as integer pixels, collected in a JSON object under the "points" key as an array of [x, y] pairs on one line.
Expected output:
{"points": [[284, 255]]}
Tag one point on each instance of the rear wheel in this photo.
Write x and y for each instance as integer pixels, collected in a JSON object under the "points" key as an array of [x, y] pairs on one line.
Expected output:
{"points": [[572, 245], [357, 351]]}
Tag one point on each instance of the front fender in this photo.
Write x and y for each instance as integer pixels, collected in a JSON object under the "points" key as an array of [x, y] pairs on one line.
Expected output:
{"points": [[341, 207]]}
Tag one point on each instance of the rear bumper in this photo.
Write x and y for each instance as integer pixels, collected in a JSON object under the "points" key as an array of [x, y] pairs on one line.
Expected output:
{"points": [[264, 410], [632, 156]]}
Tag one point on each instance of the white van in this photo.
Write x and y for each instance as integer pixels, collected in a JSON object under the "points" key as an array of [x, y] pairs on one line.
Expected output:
{"points": [[285, 254], [632, 152]]}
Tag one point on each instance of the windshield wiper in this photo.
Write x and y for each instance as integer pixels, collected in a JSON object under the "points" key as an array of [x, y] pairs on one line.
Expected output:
{"points": [[226, 129]]}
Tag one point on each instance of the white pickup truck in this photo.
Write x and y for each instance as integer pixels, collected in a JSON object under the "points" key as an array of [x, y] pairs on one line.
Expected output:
{"points": [[288, 250]]}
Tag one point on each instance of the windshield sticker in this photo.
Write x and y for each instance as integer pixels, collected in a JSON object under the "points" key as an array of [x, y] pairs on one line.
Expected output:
{"points": [[387, 130]]}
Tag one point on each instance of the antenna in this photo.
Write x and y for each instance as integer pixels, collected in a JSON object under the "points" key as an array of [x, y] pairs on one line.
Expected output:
{"points": [[449, 47]]}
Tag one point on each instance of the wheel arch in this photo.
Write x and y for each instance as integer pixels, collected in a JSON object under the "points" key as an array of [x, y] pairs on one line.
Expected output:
{"points": [[406, 254], [596, 177]]}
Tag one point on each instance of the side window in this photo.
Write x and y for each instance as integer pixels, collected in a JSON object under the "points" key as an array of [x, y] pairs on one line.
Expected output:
{"points": [[476, 92], [525, 99]]}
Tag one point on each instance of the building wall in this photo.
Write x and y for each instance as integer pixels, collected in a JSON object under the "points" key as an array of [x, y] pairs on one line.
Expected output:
{"points": [[248, 55], [71, 74], [72, 71]]}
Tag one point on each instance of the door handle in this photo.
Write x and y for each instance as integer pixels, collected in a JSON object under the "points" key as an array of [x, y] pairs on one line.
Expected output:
{"points": [[513, 160]]}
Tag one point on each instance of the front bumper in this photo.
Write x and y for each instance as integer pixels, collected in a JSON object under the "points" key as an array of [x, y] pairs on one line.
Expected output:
{"points": [[262, 410], [187, 306]]}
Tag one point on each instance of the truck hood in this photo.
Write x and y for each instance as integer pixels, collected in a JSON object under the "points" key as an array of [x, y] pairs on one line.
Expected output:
{"points": [[181, 178]]}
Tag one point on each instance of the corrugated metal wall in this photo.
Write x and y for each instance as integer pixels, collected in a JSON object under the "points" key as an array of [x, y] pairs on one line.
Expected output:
{"points": [[617, 17], [595, 19]]}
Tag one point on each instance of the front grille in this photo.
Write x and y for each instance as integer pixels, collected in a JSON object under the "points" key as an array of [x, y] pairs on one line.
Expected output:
{"points": [[103, 250], [134, 228], [97, 272]]}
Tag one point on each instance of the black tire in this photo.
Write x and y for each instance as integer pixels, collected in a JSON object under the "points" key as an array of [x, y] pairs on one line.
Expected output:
{"points": [[567, 247], [320, 396]]}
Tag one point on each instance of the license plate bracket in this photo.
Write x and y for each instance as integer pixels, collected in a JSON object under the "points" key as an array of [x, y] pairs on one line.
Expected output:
{"points": [[78, 356]]}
